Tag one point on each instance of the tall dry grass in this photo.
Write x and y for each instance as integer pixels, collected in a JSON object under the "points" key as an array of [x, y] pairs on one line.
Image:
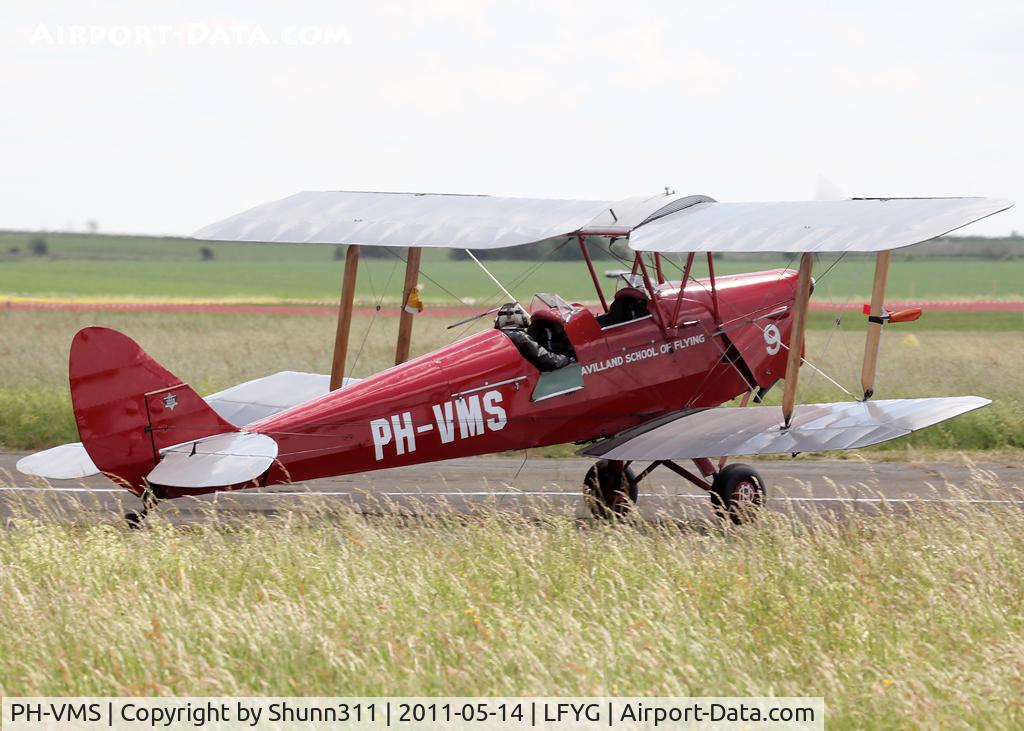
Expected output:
{"points": [[912, 621]]}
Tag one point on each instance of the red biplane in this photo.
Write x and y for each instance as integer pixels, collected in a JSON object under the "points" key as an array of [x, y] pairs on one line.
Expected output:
{"points": [[641, 380]]}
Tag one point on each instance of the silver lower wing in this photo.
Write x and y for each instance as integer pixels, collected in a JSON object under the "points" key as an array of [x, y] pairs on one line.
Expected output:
{"points": [[723, 432], [257, 399]]}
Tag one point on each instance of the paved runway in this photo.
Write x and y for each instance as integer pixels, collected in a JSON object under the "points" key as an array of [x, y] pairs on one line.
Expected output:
{"points": [[538, 486]]}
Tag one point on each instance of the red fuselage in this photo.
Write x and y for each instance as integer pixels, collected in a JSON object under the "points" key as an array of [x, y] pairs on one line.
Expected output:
{"points": [[479, 395]]}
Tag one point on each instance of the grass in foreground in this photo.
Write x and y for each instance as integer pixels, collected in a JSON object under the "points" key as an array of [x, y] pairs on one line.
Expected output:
{"points": [[898, 622]]}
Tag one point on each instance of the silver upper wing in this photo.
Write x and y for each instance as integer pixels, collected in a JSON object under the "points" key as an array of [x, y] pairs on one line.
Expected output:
{"points": [[861, 224], [407, 219], [663, 222]]}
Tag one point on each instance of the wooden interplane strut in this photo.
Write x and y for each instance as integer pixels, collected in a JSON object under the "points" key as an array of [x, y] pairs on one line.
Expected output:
{"points": [[796, 337], [874, 336], [412, 275], [348, 294]]}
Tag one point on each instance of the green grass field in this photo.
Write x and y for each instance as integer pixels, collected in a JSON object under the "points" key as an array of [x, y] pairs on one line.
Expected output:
{"points": [[899, 622], [961, 352], [216, 351], [96, 266]]}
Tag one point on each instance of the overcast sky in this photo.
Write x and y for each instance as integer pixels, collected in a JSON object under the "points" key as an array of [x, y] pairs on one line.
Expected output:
{"points": [[740, 101]]}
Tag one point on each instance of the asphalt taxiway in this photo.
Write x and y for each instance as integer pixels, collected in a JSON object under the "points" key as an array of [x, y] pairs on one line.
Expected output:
{"points": [[534, 486]]}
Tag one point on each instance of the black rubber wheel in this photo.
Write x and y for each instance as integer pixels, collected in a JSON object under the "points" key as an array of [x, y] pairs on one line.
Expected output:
{"points": [[135, 520], [738, 493], [610, 491]]}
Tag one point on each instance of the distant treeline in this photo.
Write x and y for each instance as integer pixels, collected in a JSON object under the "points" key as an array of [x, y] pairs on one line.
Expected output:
{"points": [[975, 247], [985, 247], [41, 244]]}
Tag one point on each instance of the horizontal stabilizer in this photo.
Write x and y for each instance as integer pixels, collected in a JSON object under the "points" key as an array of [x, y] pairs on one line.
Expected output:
{"points": [[66, 462], [217, 461], [723, 432]]}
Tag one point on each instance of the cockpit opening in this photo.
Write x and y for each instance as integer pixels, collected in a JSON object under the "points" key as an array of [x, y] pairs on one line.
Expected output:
{"points": [[541, 340], [629, 304]]}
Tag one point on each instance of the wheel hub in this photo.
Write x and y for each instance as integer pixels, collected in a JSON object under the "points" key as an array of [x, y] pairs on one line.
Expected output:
{"points": [[745, 492]]}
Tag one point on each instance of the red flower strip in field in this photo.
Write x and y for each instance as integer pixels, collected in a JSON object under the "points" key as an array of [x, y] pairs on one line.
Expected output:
{"points": [[434, 311]]}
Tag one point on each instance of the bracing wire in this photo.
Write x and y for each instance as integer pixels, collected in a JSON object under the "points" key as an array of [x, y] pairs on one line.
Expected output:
{"points": [[517, 281], [373, 317], [836, 327], [430, 279], [493, 278], [803, 360]]}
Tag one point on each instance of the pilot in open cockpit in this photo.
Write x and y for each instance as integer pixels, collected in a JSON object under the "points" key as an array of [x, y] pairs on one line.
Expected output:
{"points": [[513, 321]]}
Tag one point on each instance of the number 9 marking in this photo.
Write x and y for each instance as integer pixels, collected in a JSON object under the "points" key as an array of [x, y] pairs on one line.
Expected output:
{"points": [[772, 339]]}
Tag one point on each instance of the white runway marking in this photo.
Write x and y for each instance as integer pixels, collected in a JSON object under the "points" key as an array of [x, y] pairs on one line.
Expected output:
{"points": [[540, 493], [944, 501], [63, 489]]}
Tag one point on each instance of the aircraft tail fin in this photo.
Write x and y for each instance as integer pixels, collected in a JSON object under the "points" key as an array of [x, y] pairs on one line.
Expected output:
{"points": [[128, 407]]}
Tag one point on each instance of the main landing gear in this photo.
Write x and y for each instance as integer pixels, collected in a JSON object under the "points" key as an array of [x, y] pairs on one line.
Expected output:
{"points": [[137, 520], [610, 489], [737, 491]]}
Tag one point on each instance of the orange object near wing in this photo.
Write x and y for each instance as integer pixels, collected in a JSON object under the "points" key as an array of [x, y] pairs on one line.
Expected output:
{"points": [[908, 315], [413, 303]]}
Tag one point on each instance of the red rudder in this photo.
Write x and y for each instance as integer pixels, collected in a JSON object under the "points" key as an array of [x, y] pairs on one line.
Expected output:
{"points": [[128, 407]]}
